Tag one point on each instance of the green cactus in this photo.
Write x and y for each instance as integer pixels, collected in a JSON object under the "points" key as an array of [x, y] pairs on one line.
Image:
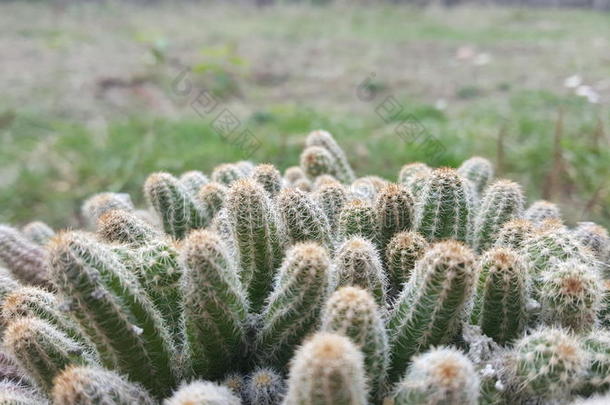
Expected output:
{"points": [[258, 236], [11, 372], [203, 393], [124, 227], [358, 218], [293, 308], [394, 208], [344, 171], [479, 171], [43, 350], [500, 305], [514, 234], [548, 245], [25, 259], [114, 310], [236, 382], [545, 365], [213, 195], [215, 306], [34, 302], [357, 263], [440, 376], [403, 250], [502, 202], [175, 205], [303, 217], [157, 267], [317, 161], [409, 171], [303, 184], [352, 312], [542, 210], [429, 310], [227, 174], [8, 284], [246, 167], [193, 181], [16, 394], [269, 177], [597, 378], [444, 207], [38, 232], [327, 370], [594, 237], [265, 387], [293, 174], [332, 197], [99, 203], [324, 180], [570, 295], [78, 385]]}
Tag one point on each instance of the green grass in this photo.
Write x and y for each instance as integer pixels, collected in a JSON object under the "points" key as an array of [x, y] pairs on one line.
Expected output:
{"points": [[288, 70]]}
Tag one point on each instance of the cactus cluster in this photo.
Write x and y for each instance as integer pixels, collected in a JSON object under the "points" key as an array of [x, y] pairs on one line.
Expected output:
{"points": [[308, 287]]}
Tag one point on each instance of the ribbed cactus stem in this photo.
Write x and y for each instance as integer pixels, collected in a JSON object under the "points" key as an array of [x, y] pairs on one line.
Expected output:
{"points": [[215, 306], [546, 246], [358, 218], [502, 202], [37, 303], [158, 269], [11, 372], [500, 305], [403, 250], [265, 386], [545, 366], [344, 171], [293, 308], [438, 377], [428, 311], [597, 379], [514, 233], [124, 227], [8, 284], [269, 177], [303, 217], [444, 207], [331, 197], [78, 385], [193, 181], [327, 370], [227, 173], [114, 310], [570, 295], [352, 312], [38, 232], [15, 394], [97, 204], [25, 259], [236, 382], [317, 161], [175, 205], [258, 236], [479, 171], [324, 180], [594, 237], [213, 195], [409, 171], [357, 263], [394, 206], [43, 350], [541, 210], [203, 393]]}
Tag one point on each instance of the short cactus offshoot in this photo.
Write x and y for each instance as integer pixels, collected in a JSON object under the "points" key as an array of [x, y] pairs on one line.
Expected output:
{"points": [[247, 286]]}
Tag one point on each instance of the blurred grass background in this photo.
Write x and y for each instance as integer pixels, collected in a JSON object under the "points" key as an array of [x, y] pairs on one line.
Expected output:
{"points": [[89, 101]]}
